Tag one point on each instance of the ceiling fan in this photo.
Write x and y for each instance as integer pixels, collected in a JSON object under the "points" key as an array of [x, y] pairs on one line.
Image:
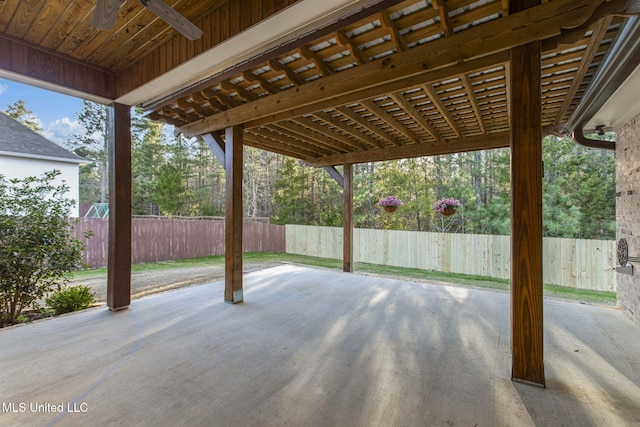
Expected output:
{"points": [[106, 12]]}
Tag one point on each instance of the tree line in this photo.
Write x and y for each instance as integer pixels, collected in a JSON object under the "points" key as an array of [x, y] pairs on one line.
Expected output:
{"points": [[172, 175]]}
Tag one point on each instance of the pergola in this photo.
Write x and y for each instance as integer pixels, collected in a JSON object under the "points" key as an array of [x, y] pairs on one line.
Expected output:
{"points": [[340, 82]]}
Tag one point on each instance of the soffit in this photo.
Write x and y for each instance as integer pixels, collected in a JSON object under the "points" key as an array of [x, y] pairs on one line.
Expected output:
{"points": [[623, 106]]}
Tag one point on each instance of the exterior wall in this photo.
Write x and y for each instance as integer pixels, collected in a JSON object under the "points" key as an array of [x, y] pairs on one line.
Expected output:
{"points": [[628, 212], [22, 167]]}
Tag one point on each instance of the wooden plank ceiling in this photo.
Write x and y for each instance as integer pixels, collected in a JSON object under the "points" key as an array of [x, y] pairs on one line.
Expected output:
{"points": [[464, 107], [55, 41], [64, 27]]}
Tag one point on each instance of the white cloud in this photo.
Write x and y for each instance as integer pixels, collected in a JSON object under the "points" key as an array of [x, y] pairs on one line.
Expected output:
{"points": [[61, 130], [3, 88]]}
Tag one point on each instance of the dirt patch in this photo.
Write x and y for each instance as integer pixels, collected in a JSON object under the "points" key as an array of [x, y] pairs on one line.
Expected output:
{"points": [[149, 282]]}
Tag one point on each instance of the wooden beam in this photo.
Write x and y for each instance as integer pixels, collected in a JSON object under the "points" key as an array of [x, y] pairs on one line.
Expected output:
{"points": [[541, 22], [119, 257], [217, 146], [347, 226], [526, 212], [35, 62], [471, 143], [233, 216]]}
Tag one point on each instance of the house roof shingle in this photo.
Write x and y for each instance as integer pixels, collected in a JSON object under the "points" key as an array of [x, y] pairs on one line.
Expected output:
{"points": [[17, 139]]}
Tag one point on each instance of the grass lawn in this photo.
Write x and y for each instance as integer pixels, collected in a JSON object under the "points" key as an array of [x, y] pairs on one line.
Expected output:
{"points": [[481, 282]]}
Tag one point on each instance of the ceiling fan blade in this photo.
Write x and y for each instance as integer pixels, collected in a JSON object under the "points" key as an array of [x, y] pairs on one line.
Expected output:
{"points": [[105, 14], [173, 18]]}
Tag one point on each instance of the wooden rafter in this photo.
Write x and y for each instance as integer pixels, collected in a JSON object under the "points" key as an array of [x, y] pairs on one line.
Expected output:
{"points": [[209, 95], [366, 124], [345, 41], [338, 141], [276, 133], [239, 90], [225, 100], [320, 65], [293, 77], [442, 108], [390, 120], [255, 139], [313, 138], [396, 37], [264, 84], [599, 32], [354, 127], [359, 141], [415, 114], [445, 22], [546, 20]]}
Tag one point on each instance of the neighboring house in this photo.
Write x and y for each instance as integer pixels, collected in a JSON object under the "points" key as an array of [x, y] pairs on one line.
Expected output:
{"points": [[24, 153]]}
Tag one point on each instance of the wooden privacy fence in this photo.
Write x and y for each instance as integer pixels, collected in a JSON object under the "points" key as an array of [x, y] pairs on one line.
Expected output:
{"points": [[583, 264], [155, 240]]}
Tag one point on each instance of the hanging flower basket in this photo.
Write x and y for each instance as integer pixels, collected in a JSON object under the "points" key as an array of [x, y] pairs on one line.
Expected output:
{"points": [[447, 206], [448, 211], [390, 203]]}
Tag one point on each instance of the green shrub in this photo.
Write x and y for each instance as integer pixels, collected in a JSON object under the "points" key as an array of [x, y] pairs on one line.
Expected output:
{"points": [[68, 299], [37, 251]]}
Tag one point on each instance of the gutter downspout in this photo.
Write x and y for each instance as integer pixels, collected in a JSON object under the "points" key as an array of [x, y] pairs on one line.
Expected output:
{"points": [[578, 136], [612, 73]]}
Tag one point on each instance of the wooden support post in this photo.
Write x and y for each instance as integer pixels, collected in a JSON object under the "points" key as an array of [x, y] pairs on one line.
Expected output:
{"points": [[526, 215], [119, 260], [233, 215], [347, 233]]}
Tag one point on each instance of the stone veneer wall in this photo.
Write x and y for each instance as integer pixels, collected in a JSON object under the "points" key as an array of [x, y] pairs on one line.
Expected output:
{"points": [[628, 212]]}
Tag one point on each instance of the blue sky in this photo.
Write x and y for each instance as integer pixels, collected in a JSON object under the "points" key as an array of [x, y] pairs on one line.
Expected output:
{"points": [[57, 112]]}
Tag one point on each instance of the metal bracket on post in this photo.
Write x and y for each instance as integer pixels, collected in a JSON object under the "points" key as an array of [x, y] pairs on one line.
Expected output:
{"points": [[238, 296], [335, 174], [217, 146]]}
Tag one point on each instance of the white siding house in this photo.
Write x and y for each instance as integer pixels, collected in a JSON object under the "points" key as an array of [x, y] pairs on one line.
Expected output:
{"points": [[24, 153]]}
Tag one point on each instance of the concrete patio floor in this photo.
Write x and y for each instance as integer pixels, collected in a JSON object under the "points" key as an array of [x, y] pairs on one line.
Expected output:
{"points": [[312, 347]]}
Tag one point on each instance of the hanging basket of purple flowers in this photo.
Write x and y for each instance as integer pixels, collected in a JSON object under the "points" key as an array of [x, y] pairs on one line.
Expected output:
{"points": [[447, 206], [390, 203]]}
